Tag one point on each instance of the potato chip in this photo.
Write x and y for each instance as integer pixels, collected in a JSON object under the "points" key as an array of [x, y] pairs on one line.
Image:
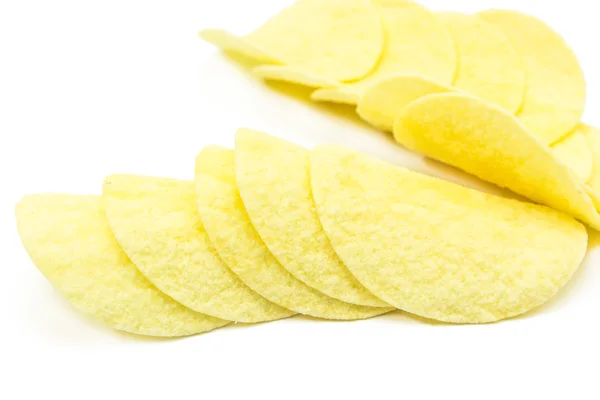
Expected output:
{"points": [[70, 242], [274, 182], [230, 42], [416, 44], [294, 75], [233, 235], [383, 102], [156, 222], [574, 151], [488, 142], [488, 67], [555, 87], [437, 249], [335, 40], [592, 136]]}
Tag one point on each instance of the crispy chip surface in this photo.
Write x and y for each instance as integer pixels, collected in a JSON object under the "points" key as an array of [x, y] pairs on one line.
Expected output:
{"points": [[226, 220], [437, 249], [416, 43], [274, 182], [70, 242], [156, 222], [488, 66], [490, 143], [555, 87], [574, 151]]}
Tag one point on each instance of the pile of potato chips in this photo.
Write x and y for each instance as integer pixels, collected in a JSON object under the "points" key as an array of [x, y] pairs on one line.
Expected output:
{"points": [[498, 94], [270, 229]]}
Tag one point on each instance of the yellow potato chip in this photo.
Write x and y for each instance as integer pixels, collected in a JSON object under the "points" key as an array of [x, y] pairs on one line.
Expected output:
{"points": [[437, 249], [416, 44], [70, 242], [336, 40], [555, 87], [156, 222], [230, 42], [274, 183], [488, 67], [592, 136], [383, 102], [233, 235], [574, 151], [488, 142], [293, 75]]}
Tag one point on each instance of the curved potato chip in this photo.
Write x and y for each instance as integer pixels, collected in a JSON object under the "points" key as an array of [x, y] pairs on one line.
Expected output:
{"points": [[592, 136], [274, 182], [383, 102], [156, 222], [574, 151], [293, 75], [416, 44], [488, 142], [230, 42], [233, 235], [337, 40], [437, 249], [70, 242], [488, 66], [555, 87]]}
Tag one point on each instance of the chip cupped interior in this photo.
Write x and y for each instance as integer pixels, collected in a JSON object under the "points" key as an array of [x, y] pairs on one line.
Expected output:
{"points": [[488, 142], [69, 240], [156, 222], [437, 249], [240, 246]]}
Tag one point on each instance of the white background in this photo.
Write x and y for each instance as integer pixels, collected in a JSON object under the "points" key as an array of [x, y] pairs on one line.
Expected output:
{"points": [[89, 88]]}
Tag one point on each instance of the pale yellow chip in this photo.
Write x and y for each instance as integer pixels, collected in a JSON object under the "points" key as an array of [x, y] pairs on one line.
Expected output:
{"points": [[230, 42], [488, 142], [383, 102], [233, 235], [437, 249], [333, 40], [156, 222], [555, 87], [274, 182], [416, 44], [70, 242], [574, 151], [592, 135], [488, 66]]}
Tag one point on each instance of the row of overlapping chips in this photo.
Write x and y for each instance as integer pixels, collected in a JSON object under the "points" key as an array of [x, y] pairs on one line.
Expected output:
{"points": [[270, 230], [498, 94]]}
